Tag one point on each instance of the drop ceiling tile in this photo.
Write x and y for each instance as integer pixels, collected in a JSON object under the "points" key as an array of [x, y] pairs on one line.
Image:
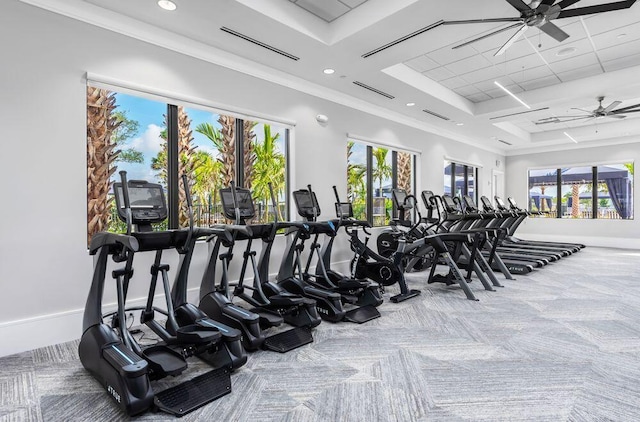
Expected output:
{"points": [[492, 72], [582, 46], [421, 64], [453, 83], [540, 83], [467, 90], [580, 72], [472, 63], [622, 63], [531, 73], [621, 50], [490, 85], [497, 92], [517, 50], [604, 22], [352, 3], [448, 55], [610, 38], [327, 10], [574, 62], [522, 63], [478, 98], [439, 73]]}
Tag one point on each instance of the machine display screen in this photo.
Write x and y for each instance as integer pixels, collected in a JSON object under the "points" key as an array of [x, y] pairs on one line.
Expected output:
{"points": [[245, 202], [150, 197]]}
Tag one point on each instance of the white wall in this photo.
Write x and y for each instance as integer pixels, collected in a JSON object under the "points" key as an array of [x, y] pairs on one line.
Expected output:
{"points": [[598, 232], [45, 270]]}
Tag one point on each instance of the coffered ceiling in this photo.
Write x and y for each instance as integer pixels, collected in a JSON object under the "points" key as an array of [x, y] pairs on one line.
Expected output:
{"points": [[454, 90]]}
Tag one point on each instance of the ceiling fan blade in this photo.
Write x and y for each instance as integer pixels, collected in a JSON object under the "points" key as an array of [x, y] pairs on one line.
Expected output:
{"points": [[544, 122], [599, 8], [488, 35], [616, 116], [488, 20], [548, 2], [623, 111], [568, 120], [554, 31], [519, 5], [611, 106], [626, 109], [567, 3], [511, 40]]}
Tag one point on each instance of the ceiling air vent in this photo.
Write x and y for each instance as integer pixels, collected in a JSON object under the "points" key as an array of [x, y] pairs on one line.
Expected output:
{"points": [[433, 113], [372, 89], [402, 39], [504, 142], [259, 43]]}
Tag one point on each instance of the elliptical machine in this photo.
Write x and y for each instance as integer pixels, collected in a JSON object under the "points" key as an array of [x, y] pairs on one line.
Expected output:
{"points": [[270, 305], [368, 264], [110, 352], [351, 291]]}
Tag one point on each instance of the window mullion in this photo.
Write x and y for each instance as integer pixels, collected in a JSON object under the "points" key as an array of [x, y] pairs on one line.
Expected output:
{"points": [[172, 166]]}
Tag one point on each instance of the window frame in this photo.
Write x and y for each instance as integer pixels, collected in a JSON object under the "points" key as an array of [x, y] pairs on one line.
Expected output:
{"points": [[466, 166], [173, 101], [594, 191], [394, 150]]}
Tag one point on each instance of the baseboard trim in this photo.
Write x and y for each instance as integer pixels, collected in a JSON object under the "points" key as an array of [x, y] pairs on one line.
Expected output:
{"points": [[46, 330], [595, 241]]}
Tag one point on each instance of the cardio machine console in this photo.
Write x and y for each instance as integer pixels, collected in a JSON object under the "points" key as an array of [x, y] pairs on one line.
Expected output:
{"points": [[147, 201], [245, 203], [306, 204]]}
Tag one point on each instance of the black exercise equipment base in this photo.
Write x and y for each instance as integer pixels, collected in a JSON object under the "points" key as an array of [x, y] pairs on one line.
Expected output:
{"points": [[404, 296], [288, 340], [362, 314], [190, 395]]}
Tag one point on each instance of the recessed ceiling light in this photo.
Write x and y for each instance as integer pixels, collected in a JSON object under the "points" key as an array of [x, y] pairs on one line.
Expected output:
{"points": [[410, 104], [566, 51], [621, 35], [459, 124], [329, 71], [167, 4]]}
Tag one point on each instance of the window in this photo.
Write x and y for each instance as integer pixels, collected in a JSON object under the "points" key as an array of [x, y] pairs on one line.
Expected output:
{"points": [[604, 191], [372, 171], [460, 179], [158, 142]]}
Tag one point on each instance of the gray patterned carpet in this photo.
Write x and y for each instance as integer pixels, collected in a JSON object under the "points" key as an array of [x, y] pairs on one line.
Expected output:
{"points": [[562, 344]]}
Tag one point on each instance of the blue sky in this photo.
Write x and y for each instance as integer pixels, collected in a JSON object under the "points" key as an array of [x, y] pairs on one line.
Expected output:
{"points": [[150, 116]]}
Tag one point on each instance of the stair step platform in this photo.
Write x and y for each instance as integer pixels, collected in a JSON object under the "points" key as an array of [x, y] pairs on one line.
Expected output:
{"points": [[288, 340], [402, 297], [362, 314], [195, 393], [164, 361]]}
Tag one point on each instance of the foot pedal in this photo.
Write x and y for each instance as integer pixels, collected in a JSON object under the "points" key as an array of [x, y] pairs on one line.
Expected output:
{"points": [[190, 395], [347, 298], [402, 297], [288, 340], [362, 314], [164, 361]]}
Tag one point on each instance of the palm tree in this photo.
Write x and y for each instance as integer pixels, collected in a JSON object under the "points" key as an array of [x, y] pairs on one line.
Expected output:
{"points": [[228, 148], [381, 171], [404, 171], [101, 154], [186, 162], [249, 158], [269, 167]]}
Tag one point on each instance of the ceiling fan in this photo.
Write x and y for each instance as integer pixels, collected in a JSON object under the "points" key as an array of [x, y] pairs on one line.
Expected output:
{"points": [[540, 13], [600, 112]]}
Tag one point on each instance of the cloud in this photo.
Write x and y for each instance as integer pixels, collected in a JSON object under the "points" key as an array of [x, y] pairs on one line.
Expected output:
{"points": [[150, 142]]}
